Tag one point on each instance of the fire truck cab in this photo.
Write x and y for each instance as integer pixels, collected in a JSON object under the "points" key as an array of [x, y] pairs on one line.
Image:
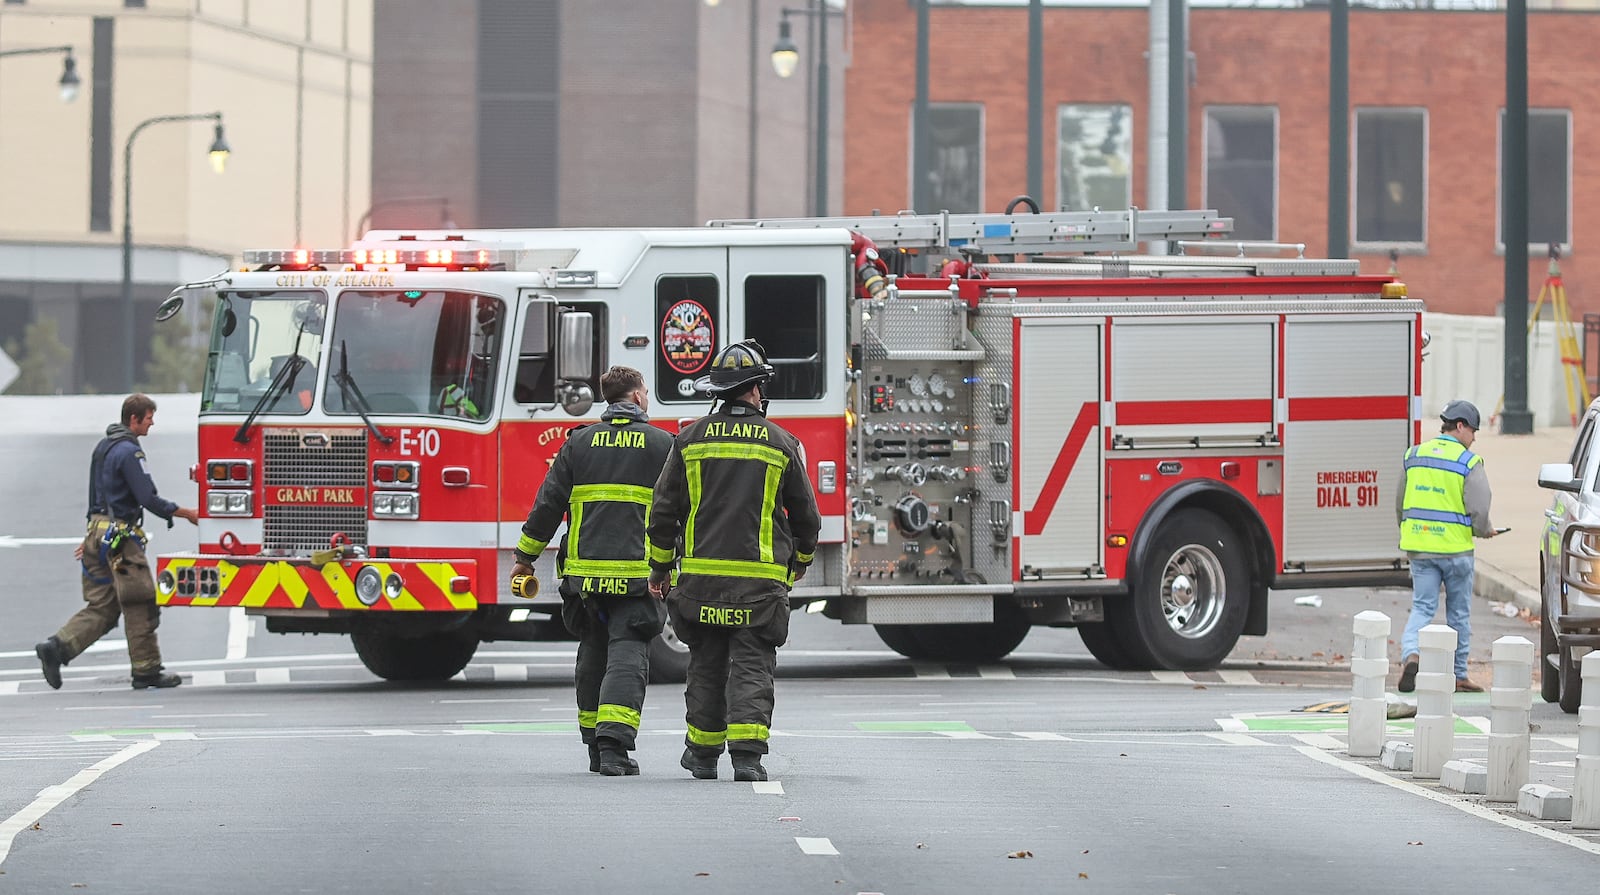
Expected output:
{"points": [[1139, 446]]}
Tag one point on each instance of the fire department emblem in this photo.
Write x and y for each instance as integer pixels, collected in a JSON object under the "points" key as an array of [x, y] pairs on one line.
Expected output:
{"points": [[688, 336]]}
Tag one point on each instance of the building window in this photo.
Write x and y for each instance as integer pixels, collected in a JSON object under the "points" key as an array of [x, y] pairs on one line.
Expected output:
{"points": [[1241, 168], [955, 182], [1391, 190], [688, 325], [784, 314], [1549, 180], [1094, 157]]}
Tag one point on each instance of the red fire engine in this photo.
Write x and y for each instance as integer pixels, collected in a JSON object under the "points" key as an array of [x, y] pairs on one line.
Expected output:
{"points": [[1138, 446]]}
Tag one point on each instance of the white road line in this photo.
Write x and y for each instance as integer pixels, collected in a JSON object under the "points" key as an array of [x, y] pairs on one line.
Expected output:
{"points": [[391, 732], [52, 796], [101, 646], [216, 715], [9, 688], [272, 675], [208, 679], [93, 737], [174, 735], [768, 787], [998, 672], [965, 734], [926, 671], [1319, 740], [1563, 742], [1234, 676], [1039, 735], [508, 699], [1172, 677], [1238, 739], [238, 634], [1232, 725], [1469, 807], [509, 672], [815, 846]]}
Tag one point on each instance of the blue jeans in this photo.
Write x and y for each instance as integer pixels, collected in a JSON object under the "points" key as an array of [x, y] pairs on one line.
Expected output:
{"points": [[1455, 573]]}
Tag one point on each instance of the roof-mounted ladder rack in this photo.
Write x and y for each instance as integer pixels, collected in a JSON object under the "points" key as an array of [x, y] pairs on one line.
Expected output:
{"points": [[1025, 233]]}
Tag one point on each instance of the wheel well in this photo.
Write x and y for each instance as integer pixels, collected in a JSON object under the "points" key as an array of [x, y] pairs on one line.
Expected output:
{"points": [[1233, 509]]}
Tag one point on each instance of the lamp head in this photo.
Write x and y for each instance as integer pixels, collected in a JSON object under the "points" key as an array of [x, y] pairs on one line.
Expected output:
{"points": [[219, 150], [785, 55], [69, 79]]}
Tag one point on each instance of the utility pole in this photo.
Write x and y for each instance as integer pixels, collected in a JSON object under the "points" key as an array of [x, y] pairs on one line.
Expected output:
{"points": [[1516, 419], [1036, 100], [1177, 103], [1339, 129]]}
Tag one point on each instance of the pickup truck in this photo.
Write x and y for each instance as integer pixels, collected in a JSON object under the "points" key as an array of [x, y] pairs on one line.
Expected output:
{"points": [[1569, 566]]}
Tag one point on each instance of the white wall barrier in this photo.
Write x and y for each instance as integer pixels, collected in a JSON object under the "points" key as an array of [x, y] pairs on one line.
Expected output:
{"points": [[1466, 359]]}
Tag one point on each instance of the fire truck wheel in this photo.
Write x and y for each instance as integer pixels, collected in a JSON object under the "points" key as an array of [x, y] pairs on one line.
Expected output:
{"points": [[1106, 646], [1191, 595], [669, 657], [431, 657], [902, 639], [977, 642]]}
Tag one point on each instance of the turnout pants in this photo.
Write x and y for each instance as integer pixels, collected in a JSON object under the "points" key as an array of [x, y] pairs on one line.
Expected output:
{"points": [[614, 664], [733, 651], [121, 588]]}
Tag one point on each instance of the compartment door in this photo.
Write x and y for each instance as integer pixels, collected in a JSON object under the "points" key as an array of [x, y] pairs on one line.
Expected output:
{"points": [[1060, 445]]}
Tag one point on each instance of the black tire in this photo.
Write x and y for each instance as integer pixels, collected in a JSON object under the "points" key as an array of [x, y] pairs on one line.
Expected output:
{"points": [[669, 657], [976, 643], [1191, 595], [432, 657], [1571, 682], [902, 639], [1105, 644], [1549, 678]]}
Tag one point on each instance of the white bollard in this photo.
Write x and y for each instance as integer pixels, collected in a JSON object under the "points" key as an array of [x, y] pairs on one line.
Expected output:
{"points": [[1510, 700], [1369, 666], [1436, 690], [1586, 788]]}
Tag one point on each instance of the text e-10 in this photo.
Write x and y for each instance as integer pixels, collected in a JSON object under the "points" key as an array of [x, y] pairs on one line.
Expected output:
{"points": [[419, 442]]}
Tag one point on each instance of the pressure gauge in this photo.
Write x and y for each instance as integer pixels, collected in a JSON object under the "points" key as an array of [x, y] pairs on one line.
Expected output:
{"points": [[917, 384], [936, 384]]}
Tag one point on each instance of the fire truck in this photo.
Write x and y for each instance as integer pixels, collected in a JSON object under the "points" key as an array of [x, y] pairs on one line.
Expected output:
{"points": [[1009, 420]]}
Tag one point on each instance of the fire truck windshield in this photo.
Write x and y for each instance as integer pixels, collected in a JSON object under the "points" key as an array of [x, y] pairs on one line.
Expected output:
{"points": [[418, 352], [254, 335]]}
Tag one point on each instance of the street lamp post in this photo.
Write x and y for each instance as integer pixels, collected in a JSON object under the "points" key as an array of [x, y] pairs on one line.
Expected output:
{"points": [[219, 155], [785, 57], [69, 70]]}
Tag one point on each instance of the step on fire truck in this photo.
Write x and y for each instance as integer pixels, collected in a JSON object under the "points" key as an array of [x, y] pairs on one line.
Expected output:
{"points": [[1009, 420]]}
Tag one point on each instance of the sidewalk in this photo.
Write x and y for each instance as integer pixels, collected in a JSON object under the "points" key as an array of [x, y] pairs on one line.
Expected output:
{"points": [[1508, 565]]}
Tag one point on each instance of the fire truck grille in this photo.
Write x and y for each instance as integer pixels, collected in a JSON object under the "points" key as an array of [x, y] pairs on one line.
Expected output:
{"points": [[312, 459]]}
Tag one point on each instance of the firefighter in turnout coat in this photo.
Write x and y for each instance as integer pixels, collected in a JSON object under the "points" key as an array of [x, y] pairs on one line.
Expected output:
{"points": [[735, 513], [601, 483]]}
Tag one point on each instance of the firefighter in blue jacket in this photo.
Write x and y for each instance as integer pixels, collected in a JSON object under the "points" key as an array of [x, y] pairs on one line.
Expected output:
{"points": [[735, 513], [601, 482], [116, 572]]}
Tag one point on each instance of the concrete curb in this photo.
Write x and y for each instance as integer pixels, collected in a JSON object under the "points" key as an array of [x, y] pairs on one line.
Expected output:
{"points": [[1494, 583]]}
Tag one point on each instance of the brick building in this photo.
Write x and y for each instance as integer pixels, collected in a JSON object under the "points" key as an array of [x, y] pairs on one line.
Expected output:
{"points": [[1427, 90]]}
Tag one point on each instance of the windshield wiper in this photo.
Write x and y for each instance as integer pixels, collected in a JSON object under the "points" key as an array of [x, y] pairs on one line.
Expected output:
{"points": [[352, 393], [278, 387]]}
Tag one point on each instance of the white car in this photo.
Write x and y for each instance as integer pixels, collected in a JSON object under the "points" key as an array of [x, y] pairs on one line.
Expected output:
{"points": [[1569, 567]]}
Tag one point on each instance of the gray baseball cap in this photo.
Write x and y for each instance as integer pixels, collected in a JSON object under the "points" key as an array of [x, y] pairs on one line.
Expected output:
{"points": [[1461, 410]]}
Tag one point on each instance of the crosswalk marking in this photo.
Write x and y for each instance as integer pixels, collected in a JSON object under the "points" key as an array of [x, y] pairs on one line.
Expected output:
{"points": [[1238, 739], [996, 672], [1319, 740], [207, 679], [1171, 677], [509, 672], [1038, 735], [928, 670], [815, 846], [768, 787], [1235, 676], [272, 675]]}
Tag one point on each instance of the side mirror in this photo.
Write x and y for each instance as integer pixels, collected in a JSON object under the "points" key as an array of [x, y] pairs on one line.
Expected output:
{"points": [[1559, 477], [171, 306], [575, 345]]}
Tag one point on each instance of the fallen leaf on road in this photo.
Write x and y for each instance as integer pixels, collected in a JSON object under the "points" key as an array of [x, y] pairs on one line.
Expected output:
{"points": [[702, 873], [36, 827], [1199, 686], [1085, 851], [1318, 654], [1020, 854], [1082, 875], [116, 825], [1418, 842], [920, 845]]}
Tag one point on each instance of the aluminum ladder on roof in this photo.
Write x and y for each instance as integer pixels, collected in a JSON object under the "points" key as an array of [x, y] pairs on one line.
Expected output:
{"points": [[1024, 233]]}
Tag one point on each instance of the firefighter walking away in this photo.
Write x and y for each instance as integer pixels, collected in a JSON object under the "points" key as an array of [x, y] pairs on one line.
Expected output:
{"points": [[601, 483], [735, 513]]}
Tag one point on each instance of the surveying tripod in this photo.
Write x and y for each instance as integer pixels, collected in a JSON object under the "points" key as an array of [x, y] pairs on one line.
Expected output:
{"points": [[1566, 339]]}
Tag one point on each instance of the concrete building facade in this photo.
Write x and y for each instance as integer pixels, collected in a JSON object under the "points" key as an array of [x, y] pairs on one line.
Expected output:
{"points": [[292, 79]]}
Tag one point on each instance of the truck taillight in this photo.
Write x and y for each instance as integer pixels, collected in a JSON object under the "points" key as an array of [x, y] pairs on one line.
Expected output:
{"points": [[397, 474], [230, 473]]}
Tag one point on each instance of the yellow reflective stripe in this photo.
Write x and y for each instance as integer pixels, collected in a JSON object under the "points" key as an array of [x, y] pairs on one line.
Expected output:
{"points": [[735, 568], [607, 568], [769, 499], [619, 714], [706, 737], [748, 732], [737, 450], [586, 719], [529, 546], [613, 492], [803, 557], [662, 554], [691, 472], [574, 529]]}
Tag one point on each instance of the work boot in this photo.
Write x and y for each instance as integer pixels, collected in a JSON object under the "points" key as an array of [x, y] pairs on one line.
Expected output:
{"points": [[155, 679], [747, 767], [614, 760], [49, 653], [703, 765], [1408, 674], [594, 760], [1468, 685]]}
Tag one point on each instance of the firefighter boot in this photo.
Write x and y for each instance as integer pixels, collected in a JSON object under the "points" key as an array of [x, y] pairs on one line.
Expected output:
{"points": [[614, 760], [157, 679], [594, 760], [49, 653], [747, 767], [702, 764]]}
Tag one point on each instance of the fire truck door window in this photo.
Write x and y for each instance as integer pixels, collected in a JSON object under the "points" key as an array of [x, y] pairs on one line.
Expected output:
{"points": [[267, 329], [688, 323], [417, 351], [536, 347], [785, 314]]}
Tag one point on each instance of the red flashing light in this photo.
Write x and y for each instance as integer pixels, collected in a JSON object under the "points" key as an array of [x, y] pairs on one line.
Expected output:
{"points": [[301, 256], [239, 472], [483, 256], [383, 472]]}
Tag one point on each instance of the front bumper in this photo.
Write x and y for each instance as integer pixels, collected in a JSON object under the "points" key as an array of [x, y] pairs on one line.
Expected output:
{"points": [[193, 579]]}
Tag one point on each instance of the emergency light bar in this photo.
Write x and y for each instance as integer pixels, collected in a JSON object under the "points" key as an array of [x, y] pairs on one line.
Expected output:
{"points": [[459, 257]]}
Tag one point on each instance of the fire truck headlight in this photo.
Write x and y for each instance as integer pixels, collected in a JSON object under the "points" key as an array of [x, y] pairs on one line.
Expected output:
{"points": [[394, 506], [166, 582], [369, 585], [392, 586], [228, 503]]}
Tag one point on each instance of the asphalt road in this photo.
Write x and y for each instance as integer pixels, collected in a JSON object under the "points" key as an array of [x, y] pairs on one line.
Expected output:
{"points": [[282, 766]]}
